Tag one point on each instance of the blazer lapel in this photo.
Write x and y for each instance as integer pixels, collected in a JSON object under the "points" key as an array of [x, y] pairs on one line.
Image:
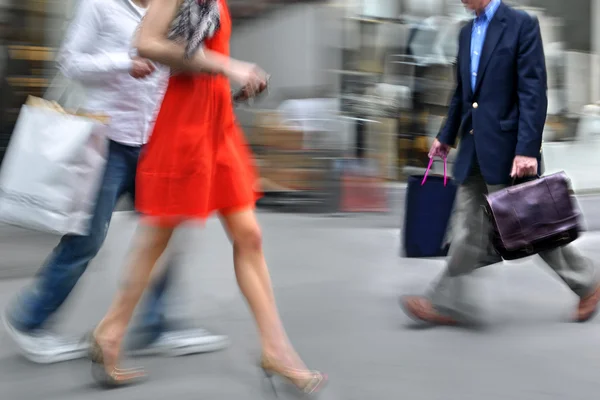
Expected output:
{"points": [[493, 35], [466, 55]]}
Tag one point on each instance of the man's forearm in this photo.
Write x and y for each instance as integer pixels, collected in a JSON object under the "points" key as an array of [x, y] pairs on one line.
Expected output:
{"points": [[93, 67], [531, 90], [449, 131], [80, 58]]}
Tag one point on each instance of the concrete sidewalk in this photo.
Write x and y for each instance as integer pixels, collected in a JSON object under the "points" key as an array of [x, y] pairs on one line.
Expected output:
{"points": [[24, 251], [337, 287]]}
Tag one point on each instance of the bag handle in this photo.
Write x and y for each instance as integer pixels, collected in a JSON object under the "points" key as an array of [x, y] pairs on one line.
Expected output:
{"points": [[429, 168]]}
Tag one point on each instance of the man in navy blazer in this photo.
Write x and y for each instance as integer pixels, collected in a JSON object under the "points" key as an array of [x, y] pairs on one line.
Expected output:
{"points": [[497, 113]]}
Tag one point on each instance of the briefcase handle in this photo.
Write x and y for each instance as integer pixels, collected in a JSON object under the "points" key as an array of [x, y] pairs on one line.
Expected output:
{"points": [[516, 183], [429, 168]]}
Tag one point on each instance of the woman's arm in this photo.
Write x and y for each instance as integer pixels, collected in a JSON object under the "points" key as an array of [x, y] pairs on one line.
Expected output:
{"points": [[152, 43]]}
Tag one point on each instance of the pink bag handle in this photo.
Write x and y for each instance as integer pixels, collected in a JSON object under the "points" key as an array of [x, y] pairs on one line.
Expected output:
{"points": [[429, 168]]}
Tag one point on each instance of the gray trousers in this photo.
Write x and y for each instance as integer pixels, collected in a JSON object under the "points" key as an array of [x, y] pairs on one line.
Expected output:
{"points": [[471, 248]]}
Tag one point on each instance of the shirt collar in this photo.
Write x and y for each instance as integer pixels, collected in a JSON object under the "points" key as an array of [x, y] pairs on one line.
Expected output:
{"points": [[138, 10], [489, 11]]}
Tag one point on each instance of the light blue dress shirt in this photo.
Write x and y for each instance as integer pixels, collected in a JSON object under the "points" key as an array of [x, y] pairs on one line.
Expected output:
{"points": [[480, 26]]}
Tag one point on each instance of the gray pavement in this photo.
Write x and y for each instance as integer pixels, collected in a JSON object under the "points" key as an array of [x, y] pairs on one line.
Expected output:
{"points": [[337, 282]]}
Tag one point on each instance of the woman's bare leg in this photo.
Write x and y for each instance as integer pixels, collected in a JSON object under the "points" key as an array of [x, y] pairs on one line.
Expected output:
{"points": [[255, 283], [149, 244]]}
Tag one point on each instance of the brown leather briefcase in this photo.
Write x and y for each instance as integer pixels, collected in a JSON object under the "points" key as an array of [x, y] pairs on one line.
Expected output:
{"points": [[531, 217]]}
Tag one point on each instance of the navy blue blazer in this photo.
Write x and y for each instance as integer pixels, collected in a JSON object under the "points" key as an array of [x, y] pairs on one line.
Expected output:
{"points": [[505, 115]]}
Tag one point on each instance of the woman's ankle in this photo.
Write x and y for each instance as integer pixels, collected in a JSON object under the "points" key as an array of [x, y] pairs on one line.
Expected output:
{"points": [[284, 354], [109, 334]]}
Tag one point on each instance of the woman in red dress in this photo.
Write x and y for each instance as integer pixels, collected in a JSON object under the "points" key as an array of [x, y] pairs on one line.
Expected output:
{"points": [[195, 164]]}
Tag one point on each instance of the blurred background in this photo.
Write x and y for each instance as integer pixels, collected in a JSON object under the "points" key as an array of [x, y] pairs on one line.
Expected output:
{"points": [[365, 83]]}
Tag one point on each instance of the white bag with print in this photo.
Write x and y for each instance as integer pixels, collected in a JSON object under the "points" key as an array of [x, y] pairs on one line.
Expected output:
{"points": [[52, 169]]}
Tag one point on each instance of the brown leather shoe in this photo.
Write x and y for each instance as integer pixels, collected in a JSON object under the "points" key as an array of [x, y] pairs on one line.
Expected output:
{"points": [[421, 309], [588, 306]]}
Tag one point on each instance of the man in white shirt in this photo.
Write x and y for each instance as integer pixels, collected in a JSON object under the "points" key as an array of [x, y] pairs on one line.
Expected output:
{"points": [[97, 54]]}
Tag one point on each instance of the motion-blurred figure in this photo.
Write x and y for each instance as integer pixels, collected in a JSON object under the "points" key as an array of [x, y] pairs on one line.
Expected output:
{"points": [[500, 102], [127, 88], [197, 150]]}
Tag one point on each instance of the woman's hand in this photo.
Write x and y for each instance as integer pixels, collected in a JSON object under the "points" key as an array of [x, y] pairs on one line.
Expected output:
{"points": [[244, 94], [250, 77]]}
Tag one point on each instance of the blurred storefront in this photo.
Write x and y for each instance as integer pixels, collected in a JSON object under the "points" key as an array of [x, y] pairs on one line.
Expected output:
{"points": [[31, 30], [385, 68], [396, 73], [406, 49]]}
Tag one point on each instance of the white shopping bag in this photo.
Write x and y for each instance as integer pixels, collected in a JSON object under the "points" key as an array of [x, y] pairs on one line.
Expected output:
{"points": [[52, 169]]}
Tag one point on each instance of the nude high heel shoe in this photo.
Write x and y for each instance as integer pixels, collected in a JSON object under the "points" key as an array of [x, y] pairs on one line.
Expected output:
{"points": [[307, 381]]}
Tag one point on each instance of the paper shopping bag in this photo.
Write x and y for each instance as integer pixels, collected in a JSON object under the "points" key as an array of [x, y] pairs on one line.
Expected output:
{"points": [[52, 169], [428, 213]]}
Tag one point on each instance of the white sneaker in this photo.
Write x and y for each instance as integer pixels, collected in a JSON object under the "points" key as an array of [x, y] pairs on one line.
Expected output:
{"points": [[183, 343], [44, 347]]}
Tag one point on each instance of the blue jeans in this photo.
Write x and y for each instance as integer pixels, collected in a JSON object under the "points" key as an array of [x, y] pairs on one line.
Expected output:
{"points": [[70, 258]]}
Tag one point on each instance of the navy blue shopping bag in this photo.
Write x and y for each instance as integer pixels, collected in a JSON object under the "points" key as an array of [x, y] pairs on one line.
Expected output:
{"points": [[427, 212]]}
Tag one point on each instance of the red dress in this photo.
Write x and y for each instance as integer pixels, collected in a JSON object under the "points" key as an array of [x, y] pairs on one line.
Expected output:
{"points": [[197, 161]]}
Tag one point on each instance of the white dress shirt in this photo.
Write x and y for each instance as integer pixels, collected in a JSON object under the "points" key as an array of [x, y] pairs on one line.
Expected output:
{"points": [[97, 53]]}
